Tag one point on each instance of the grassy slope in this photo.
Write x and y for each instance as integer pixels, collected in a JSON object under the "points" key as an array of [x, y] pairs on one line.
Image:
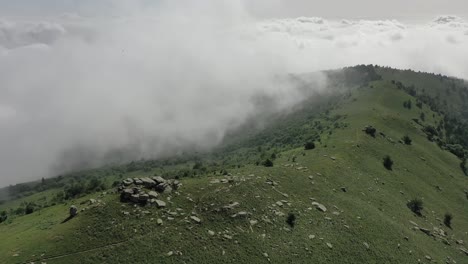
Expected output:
{"points": [[373, 210]]}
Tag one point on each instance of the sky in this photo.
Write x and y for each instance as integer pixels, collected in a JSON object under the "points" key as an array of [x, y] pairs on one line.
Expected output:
{"points": [[84, 83]]}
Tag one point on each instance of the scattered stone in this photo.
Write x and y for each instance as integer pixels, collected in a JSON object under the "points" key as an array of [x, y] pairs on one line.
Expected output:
{"points": [[279, 203], [160, 203], [311, 236], [428, 257], [211, 233], [253, 222], [195, 219], [319, 206], [329, 245], [159, 221], [231, 206], [170, 253], [464, 250], [366, 245]]}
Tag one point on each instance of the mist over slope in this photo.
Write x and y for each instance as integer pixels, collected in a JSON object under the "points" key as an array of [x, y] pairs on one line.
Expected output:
{"points": [[80, 91]]}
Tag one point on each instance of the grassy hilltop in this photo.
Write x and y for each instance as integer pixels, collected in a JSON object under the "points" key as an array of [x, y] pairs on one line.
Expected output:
{"points": [[263, 197]]}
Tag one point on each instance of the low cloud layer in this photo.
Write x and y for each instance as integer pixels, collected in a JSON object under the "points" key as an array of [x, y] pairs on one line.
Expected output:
{"points": [[77, 91]]}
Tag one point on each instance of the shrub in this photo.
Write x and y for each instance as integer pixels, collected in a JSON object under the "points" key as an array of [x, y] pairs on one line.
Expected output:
{"points": [[29, 208], [268, 163], [407, 140], [291, 220], [370, 130], [463, 167], [388, 162], [3, 216], [415, 205], [448, 220], [309, 145]]}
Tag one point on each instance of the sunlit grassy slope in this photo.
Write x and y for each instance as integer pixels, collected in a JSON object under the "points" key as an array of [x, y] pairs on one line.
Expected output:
{"points": [[369, 223]]}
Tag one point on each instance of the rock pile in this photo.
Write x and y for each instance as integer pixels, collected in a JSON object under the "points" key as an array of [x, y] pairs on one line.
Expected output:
{"points": [[146, 190]]}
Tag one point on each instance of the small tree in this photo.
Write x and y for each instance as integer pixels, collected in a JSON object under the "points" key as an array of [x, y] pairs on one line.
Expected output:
{"points": [[448, 220], [268, 163], [407, 140], [309, 145], [291, 220], [388, 162], [416, 206]]}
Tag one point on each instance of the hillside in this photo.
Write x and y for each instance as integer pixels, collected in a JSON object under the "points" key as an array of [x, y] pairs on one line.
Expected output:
{"points": [[334, 203]]}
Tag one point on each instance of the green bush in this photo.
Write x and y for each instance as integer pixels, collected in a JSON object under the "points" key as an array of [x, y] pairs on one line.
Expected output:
{"points": [[463, 166], [309, 145], [370, 131], [291, 220], [3, 216], [448, 219], [407, 140], [388, 162], [268, 163], [416, 206]]}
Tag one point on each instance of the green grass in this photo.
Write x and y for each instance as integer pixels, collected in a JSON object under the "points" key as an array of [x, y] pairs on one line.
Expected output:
{"points": [[372, 211]]}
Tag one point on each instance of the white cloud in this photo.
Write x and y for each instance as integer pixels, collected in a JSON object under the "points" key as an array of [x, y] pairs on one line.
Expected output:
{"points": [[75, 88]]}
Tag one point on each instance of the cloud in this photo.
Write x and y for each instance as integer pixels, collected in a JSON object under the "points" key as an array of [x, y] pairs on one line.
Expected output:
{"points": [[81, 91], [13, 34]]}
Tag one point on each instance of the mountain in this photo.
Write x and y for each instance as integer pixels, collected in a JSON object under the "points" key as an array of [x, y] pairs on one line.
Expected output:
{"points": [[372, 171]]}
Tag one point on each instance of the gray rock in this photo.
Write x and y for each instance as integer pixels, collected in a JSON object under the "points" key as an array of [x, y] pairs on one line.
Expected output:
{"points": [[135, 198], [159, 179], [168, 189], [160, 203], [137, 181], [153, 195], [195, 219], [148, 183], [319, 206], [143, 198]]}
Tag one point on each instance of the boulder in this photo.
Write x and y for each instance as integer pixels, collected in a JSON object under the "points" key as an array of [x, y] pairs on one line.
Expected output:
{"points": [[135, 198], [160, 203], [161, 187], [125, 194], [127, 182], [143, 198], [153, 195], [148, 183], [159, 179], [168, 189], [137, 181]]}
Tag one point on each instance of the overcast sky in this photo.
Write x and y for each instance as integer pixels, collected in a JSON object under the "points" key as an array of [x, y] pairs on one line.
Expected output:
{"points": [[371, 9], [85, 82]]}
